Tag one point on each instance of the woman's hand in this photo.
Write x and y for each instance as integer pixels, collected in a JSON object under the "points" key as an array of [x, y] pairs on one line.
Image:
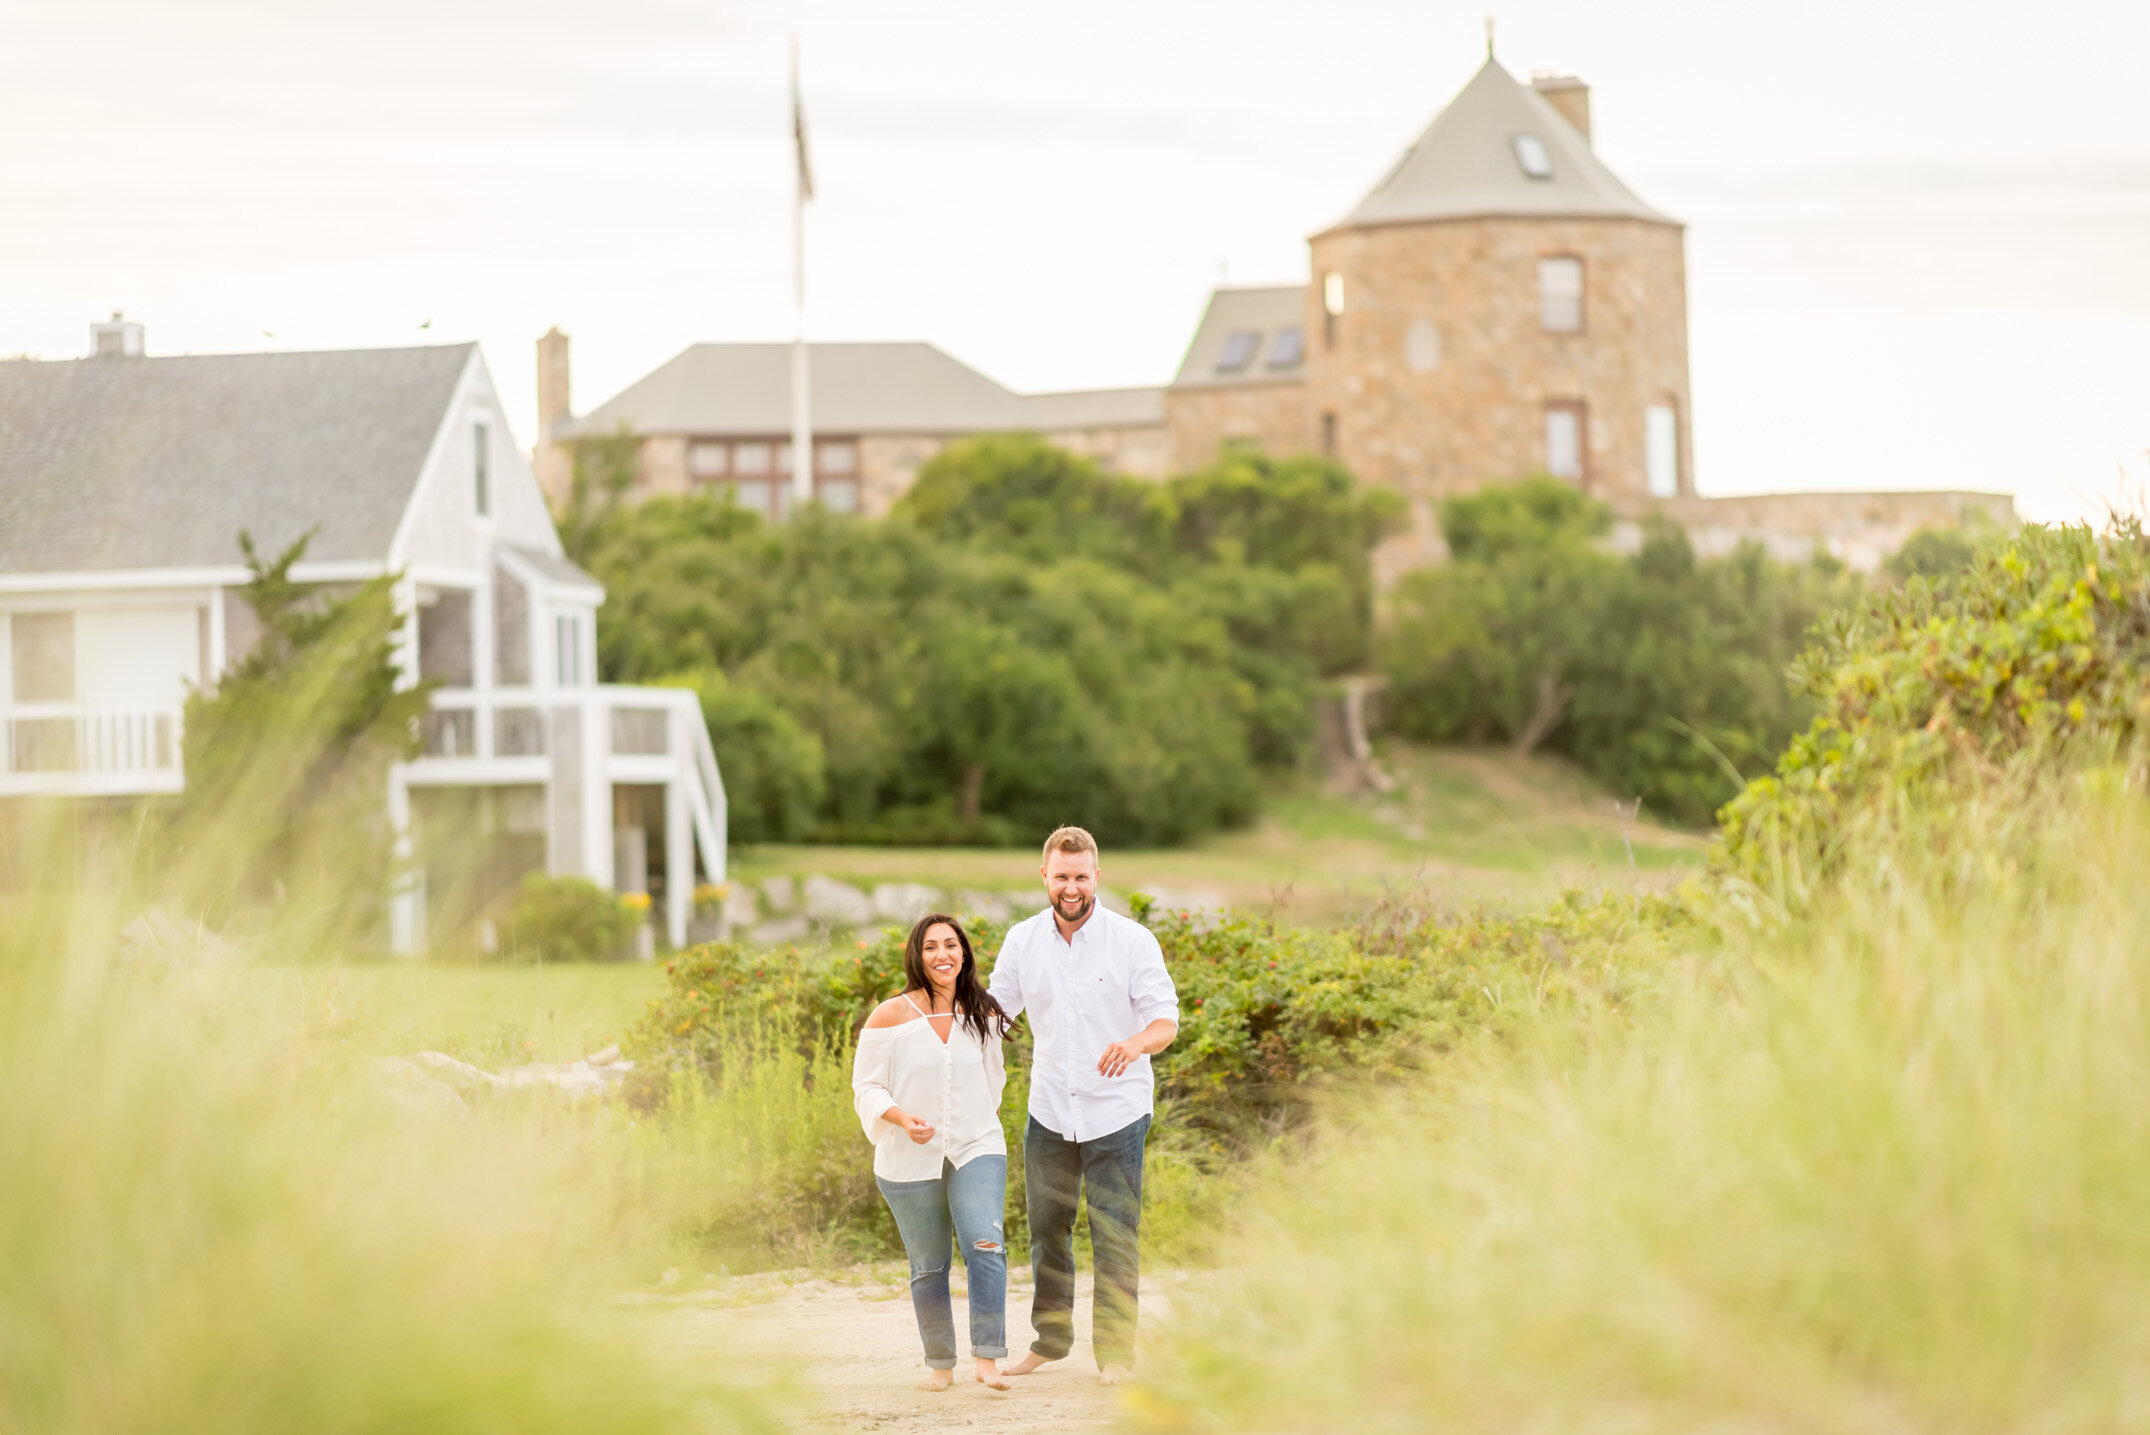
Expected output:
{"points": [[918, 1128]]}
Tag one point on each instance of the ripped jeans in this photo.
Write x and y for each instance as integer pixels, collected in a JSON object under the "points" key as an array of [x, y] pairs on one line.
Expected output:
{"points": [[963, 1204]]}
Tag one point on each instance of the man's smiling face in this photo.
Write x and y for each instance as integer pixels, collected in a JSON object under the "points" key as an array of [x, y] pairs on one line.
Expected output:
{"points": [[1071, 884]]}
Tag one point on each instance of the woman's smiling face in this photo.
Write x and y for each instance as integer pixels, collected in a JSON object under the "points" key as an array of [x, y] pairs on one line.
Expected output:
{"points": [[943, 953]]}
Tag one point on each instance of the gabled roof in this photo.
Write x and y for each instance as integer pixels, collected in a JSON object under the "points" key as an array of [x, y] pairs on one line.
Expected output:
{"points": [[156, 463], [857, 388], [1266, 314], [1465, 165], [744, 390]]}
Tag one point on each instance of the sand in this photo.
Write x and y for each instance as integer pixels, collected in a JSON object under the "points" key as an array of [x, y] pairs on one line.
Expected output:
{"points": [[840, 1353]]}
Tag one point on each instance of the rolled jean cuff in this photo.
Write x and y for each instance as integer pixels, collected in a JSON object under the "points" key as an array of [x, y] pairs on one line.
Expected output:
{"points": [[948, 1364], [988, 1352]]}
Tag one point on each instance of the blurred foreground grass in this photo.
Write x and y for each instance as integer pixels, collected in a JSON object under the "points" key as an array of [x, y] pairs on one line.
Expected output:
{"points": [[1881, 1165]]}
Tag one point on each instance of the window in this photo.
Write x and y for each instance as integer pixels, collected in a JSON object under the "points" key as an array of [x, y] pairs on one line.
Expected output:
{"points": [[1328, 435], [839, 495], [481, 469], [837, 456], [1422, 346], [709, 460], [567, 640], [752, 493], [1239, 350], [783, 458], [43, 656], [1560, 295], [1564, 428], [1288, 349], [1661, 449], [1332, 306], [751, 458], [1530, 152]]}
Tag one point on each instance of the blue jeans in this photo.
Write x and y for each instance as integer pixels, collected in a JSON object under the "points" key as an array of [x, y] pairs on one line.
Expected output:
{"points": [[1109, 1172], [962, 1203]]}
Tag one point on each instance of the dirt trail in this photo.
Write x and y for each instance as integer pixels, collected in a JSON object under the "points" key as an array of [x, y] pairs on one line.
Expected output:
{"points": [[840, 1353]]}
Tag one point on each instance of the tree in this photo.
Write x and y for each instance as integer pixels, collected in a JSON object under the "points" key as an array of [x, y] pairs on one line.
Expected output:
{"points": [[287, 760]]}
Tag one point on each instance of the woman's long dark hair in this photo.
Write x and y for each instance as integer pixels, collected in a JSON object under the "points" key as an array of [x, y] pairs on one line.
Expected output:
{"points": [[975, 1006]]}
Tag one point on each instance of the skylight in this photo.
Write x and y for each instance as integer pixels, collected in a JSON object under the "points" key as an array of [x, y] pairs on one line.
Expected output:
{"points": [[1238, 351], [1530, 153], [1288, 349]]}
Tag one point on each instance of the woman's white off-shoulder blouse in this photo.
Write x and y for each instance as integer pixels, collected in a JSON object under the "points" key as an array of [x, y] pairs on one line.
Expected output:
{"points": [[956, 1086]]}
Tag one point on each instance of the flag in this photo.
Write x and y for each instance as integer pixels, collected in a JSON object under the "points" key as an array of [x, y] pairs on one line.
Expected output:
{"points": [[798, 132]]}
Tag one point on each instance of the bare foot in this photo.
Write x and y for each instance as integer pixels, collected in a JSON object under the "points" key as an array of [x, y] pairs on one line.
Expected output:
{"points": [[1115, 1375], [989, 1376], [937, 1380], [1031, 1361]]}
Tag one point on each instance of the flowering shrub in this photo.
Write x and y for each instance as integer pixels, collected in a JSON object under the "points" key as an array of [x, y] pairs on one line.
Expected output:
{"points": [[2037, 653], [568, 919]]}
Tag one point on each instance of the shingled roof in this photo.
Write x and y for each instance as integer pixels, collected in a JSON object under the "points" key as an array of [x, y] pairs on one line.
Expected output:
{"points": [[1270, 325], [1465, 165], [157, 463]]}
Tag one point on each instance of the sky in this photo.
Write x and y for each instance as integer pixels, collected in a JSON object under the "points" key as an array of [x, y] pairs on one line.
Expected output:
{"points": [[1918, 245]]}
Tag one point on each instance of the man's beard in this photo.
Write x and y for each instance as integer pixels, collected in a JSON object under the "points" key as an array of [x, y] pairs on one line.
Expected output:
{"points": [[1075, 917]]}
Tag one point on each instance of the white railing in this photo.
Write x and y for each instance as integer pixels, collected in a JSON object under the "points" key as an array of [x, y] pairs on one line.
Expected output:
{"points": [[85, 749]]}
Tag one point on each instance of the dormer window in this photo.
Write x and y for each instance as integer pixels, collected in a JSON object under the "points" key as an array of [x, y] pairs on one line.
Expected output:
{"points": [[1530, 152], [481, 469], [1288, 349], [1239, 349]]}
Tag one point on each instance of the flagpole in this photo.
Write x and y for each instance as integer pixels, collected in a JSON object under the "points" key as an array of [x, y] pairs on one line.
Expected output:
{"points": [[802, 423]]}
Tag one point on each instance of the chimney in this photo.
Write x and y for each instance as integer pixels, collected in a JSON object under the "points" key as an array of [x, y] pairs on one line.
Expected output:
{"points": [[554, 465], [1568, 95], [116, 338]]}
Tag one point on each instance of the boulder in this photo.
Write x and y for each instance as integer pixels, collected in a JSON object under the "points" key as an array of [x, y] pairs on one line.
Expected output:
{"points": [[830, 903], [778, 930], [904, 902], [779, 893], [414, 1088]]}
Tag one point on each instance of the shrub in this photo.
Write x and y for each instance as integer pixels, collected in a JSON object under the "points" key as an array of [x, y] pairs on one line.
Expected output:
{"points": [[567, 919], [2036, 655]]}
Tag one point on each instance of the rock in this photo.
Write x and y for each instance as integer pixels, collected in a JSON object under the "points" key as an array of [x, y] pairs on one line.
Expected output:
{"points": [[740, 908], [410, 1086], [830, 903], [990, 905], [606, 1057], [904, 902], [779, 893], [777, 930], [458, 1075]]}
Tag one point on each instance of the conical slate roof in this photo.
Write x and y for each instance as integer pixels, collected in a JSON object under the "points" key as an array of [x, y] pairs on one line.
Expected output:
{"points": [[1466, 164]]}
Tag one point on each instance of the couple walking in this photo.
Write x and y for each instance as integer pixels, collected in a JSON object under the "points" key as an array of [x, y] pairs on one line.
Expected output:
{"points": [[927, 1086]]}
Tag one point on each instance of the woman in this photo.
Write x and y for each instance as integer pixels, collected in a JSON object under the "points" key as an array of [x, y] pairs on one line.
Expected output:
{"points": [[927, 1086]]}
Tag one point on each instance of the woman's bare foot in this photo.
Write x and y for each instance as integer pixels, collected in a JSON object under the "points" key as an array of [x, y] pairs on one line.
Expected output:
{"points": [[937, 1380], [1114, 1375], [1031, 1361], [990, 1377]]}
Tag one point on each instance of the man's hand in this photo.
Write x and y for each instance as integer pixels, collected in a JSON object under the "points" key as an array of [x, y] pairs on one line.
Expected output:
{"points": [[1151, 1039], [917, 1128]]}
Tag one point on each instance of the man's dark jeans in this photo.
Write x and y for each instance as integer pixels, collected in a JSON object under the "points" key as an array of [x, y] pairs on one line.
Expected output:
{"points": [[1109, 1171]]}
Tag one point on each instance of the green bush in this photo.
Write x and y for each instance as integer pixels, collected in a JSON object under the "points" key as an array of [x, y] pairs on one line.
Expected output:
{"points": [[774, 771], [1660, 674], [567, 919], [2037, 655]]}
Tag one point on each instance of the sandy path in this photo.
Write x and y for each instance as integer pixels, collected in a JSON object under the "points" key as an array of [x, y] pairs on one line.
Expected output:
{"points": [[839, 1353]]}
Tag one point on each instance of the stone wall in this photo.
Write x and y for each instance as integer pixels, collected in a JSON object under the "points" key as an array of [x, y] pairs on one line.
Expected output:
{"points": [[1137, 451], [1273, 417], [1859, 529], [1462, 400], [887, 465], [661, 467]]}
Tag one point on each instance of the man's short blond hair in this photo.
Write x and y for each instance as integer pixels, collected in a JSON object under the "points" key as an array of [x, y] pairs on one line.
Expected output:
{"points": [[1069, 839]]}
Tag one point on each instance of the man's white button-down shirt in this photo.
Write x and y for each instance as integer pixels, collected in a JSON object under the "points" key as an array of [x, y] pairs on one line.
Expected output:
{"points": [[1107, 984]]}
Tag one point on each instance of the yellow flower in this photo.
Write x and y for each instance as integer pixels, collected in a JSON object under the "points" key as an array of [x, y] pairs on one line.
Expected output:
{"points": [[635, 901]]}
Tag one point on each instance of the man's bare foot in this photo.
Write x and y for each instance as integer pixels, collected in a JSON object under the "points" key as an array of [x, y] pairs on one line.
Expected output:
{"points": [[937, 1380], [990, 1377], [1115, 1375], [1031, 1361]]}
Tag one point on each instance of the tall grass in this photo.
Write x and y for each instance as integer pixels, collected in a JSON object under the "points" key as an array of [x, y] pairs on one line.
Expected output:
{"points": [[1881, 1166], [215, 1218]]}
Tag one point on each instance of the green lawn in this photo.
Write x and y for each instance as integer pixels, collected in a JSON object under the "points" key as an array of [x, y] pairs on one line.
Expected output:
{"points": [[1462, 825]]}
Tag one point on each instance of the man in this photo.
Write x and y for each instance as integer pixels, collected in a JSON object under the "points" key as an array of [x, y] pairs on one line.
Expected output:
{"points": [[1100, 1004]]}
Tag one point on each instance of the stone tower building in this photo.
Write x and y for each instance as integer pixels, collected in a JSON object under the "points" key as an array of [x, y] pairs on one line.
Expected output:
{"points": [[1499, 305]]}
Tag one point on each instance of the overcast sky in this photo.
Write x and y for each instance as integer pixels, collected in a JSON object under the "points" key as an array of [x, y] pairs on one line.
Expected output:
{"points": [[1917, 241]]}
